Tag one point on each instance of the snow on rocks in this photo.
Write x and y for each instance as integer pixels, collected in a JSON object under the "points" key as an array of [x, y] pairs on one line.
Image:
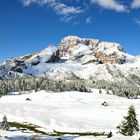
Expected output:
{"points": [[75, 57], [105, 52]]}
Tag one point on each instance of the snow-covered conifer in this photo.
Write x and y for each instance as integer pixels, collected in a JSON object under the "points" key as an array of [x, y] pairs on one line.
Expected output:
{"points": [[129, 126]]}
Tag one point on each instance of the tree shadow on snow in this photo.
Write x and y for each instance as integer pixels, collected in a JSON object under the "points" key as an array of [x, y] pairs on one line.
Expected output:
{"points": [[67, 138], [40, 138]]}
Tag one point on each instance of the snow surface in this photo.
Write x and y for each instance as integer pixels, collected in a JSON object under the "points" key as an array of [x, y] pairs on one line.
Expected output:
{"points": [[68, 111], [67, 69]]}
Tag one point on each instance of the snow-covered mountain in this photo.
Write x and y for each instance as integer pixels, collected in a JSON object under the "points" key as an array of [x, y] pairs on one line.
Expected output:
{"points": [[76, 57], [102, 68], [91, 50]]}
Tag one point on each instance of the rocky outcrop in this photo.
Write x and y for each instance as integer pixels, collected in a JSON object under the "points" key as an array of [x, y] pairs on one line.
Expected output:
{"points": [[92, 50], [17, 69], [49, 55], [54, 57], [112, 59]]}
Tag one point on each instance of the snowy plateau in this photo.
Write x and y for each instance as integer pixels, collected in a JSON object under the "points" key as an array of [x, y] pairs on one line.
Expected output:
{"points": [[109, 73], [66, 112]]}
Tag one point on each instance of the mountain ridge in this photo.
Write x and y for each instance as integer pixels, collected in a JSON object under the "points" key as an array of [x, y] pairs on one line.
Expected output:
{"points": [[75, 57]]}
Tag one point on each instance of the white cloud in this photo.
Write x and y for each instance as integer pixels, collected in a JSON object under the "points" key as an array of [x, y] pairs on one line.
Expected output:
{"points": [[76, 23], [66, 18], [66, 12], [26, 2], [110, 4], [62, 9], [135, 4], [137, 21], [39, 2], [88, 20]]}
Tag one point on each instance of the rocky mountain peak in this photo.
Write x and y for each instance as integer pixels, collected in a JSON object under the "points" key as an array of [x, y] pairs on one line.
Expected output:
{"points": [[85, 50], [79, 51]]}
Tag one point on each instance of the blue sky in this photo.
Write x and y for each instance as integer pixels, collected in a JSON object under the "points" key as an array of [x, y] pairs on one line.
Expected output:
{"points": [[28, 26]]}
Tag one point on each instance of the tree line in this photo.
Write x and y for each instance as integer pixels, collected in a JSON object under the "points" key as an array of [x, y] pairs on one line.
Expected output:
{"points": [[28, 83]]}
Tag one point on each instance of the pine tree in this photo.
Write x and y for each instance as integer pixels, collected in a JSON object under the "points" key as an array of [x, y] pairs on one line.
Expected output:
{"points": [[4, 125], [129, 126]]}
